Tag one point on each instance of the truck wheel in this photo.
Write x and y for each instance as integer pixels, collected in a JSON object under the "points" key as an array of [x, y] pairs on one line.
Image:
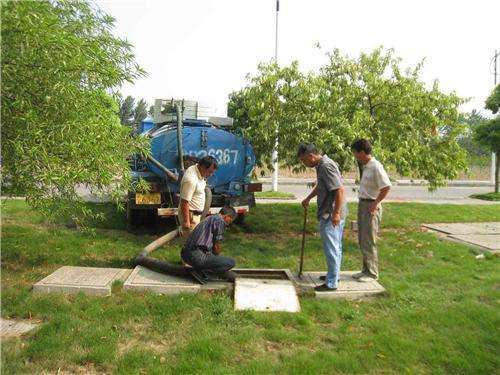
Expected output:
{"points": [[130, 217], [142, 218]]}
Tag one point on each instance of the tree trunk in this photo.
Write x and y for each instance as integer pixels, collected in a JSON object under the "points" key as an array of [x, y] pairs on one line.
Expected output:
{"points": [[497, 167]]}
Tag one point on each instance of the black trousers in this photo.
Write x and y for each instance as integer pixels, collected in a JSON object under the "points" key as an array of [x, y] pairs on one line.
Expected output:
{"points": [[204, 261]]}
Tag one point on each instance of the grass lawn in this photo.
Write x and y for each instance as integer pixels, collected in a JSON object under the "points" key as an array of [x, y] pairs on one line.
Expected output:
{"points": [[487, 196], [274, 195], [441, 314]]}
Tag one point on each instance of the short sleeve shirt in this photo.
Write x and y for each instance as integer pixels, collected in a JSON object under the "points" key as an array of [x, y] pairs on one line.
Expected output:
{"points": [[374, 178], [206, 234], [193, 188], [329, 180]]}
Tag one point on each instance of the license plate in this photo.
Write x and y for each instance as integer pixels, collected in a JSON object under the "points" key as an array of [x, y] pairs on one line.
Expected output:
{"points": [[151, 198]]}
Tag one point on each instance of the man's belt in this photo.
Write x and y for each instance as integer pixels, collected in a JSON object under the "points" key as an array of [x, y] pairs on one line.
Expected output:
{"points": [[366, 200], [196, 212]]}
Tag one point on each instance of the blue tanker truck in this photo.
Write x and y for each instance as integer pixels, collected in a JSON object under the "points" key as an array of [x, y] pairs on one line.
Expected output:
{"points": [[181, 132]]}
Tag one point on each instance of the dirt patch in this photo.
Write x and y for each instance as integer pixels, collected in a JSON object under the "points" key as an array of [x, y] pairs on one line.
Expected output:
{"points": [[141, 337], [88, 369]]}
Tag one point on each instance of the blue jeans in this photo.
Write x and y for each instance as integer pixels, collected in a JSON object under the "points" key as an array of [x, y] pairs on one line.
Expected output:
{"points": [[202, 260], [332, 246]]}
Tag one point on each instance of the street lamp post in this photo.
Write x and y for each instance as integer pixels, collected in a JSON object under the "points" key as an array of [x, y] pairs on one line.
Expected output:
{"points": [[493, 156], [275, 151]]}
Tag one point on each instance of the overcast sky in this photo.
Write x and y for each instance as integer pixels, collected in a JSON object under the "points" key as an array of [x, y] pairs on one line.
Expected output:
{"points": [[202, 49]]}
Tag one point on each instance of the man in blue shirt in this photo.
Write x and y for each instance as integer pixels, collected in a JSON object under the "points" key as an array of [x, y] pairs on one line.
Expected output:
{"points": [[202, 249]]}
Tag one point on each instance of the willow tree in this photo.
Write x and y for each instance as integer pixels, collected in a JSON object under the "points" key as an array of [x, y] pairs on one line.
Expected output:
{"points": [[60, 128], [413, 128]]}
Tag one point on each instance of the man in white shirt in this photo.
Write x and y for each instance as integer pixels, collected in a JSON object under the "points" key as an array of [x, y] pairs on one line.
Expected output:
{"points": [[192, 193], [373, 188]]}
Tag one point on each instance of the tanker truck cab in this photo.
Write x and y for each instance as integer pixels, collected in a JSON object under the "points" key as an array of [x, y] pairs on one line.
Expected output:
{"points": [[177, 142]]}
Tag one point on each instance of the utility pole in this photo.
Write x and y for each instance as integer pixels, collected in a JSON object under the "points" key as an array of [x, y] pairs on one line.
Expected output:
{"points": [[275, 151], [493, 156]]}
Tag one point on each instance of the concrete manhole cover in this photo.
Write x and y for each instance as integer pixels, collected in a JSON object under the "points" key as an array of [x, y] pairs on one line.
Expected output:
{"points": [[15, 328], [485, 236], [265, 295], [466, 228], [89, 280]]}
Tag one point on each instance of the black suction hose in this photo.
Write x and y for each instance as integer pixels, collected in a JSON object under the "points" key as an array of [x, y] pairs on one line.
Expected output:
{"points": [[144, 259], [208, 202]]}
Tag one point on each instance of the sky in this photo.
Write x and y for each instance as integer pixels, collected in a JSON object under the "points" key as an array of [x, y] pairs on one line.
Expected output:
{"points": [[203, 49]]}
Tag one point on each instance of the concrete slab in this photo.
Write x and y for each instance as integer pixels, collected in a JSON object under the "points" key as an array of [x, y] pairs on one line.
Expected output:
{"points": [[15, 328], [349, 287], [490, 242], [265, 295], [483, 236], [89, 280], [143, 278], [466, 228]]}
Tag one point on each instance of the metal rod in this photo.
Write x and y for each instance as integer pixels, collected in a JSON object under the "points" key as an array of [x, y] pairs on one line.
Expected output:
{"points": [[274, 155], [276, 35], [161, 167], [301, 265], [179, 136], [493, 155]]}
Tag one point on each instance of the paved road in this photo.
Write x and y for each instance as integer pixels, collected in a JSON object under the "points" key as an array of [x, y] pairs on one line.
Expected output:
{"points": [[453, 194]]}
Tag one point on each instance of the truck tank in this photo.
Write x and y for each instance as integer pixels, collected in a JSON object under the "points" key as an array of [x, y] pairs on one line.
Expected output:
{"points": [[229, 185], [200, 138]]}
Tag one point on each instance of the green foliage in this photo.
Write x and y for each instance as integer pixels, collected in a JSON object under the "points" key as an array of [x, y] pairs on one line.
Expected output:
{"points": [[140, 111], [131, 113], [487, 196], [493, 101], [60, 127], [488, 134], [471, 121], [413, 128], [126, 111]]}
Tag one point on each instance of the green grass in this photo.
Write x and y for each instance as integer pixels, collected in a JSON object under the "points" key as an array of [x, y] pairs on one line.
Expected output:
{"points": [[441, 314], [487, 196], [274, 195]]}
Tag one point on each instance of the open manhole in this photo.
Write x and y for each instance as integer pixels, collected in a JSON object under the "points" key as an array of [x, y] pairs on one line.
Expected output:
{"points": [[266, 274]]}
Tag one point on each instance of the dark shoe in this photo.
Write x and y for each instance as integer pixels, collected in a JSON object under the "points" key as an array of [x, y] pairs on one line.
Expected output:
{"points": [[358, 275], [323, 278], [229, 276], [226, 276], [324, 288], [199, 276]]}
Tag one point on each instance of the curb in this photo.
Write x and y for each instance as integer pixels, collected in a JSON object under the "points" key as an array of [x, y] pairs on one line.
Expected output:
{"points": [[350, 182]]}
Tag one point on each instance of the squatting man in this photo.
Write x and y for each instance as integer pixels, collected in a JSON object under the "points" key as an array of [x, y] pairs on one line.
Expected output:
{"points": [[203, 248]]}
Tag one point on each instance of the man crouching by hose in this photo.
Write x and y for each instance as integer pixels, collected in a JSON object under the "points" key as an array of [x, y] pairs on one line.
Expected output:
{"points": [[202, 249], [193, 193]]}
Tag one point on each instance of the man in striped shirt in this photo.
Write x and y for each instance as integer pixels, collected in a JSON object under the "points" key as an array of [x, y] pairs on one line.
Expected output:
{"points": [[202, 249]]}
